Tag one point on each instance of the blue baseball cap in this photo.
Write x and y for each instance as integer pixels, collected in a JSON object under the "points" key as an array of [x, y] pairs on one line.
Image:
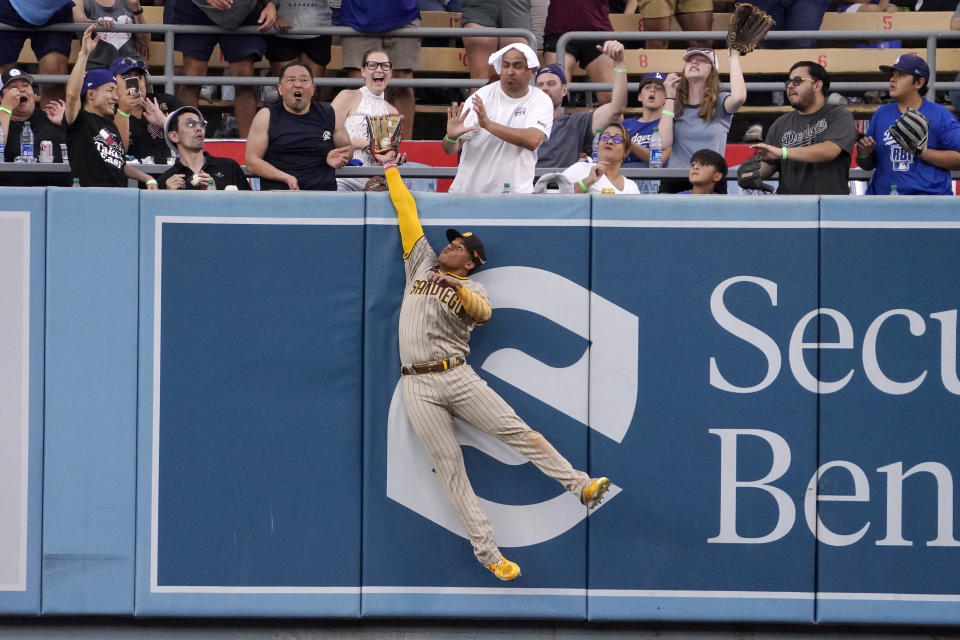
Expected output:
{"points": [[125, 64], [555, 69], [652, 77], [909, 63], [95, 78]]}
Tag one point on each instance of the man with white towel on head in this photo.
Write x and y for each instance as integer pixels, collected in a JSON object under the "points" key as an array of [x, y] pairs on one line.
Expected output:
{"points": [[500, 127]]}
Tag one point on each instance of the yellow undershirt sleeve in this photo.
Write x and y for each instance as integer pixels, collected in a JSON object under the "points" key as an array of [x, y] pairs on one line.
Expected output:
{"points": [[410, 229], [476, 305]]}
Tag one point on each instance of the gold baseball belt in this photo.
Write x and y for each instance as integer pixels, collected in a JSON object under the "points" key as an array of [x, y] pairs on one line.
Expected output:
{"points": [[431, 367]]}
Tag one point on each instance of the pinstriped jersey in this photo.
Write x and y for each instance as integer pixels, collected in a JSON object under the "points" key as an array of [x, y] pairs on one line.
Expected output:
{"points": [[434, 325]]}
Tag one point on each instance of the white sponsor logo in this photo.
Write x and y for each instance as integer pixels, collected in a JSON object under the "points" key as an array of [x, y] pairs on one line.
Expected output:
{"points": [[610, 364]]}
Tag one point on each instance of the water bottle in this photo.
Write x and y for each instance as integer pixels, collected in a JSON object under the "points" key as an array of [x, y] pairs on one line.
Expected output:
{"points": [[893, 190], [596, 143], [26, 143], [76, 183], [656, 149], [211, 185], [3, 146], [506, 187]]}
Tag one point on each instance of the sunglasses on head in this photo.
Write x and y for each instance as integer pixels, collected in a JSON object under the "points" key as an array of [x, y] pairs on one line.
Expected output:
{"points": [[609, 138], [136, 64], [372, 66]]}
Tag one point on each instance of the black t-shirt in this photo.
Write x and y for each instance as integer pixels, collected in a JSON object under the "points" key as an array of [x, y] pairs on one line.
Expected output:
{"points": [[224, 171], [832, 123], [299, 145], [43, 129], [146, 139], [96, 151]]}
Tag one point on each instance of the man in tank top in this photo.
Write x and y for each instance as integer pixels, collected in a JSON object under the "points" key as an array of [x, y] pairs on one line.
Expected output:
{"points": [[295, 143]]}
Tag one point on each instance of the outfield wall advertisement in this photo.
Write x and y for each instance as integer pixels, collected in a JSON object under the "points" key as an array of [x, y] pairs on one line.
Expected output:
{"points": [[773, 394]]}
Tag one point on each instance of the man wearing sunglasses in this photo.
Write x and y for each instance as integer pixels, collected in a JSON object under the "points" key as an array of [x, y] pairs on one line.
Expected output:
{"points": [[185, 131], [140, 114], [810, 146]]}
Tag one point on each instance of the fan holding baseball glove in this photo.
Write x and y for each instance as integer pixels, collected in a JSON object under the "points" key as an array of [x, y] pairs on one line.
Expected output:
{"points": [[911, 143]]}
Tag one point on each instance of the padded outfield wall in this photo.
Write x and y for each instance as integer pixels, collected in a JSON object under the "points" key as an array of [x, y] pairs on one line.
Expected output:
{"points": [[199, 408]]}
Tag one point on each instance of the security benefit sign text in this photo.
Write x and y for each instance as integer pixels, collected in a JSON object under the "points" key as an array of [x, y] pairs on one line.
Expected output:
{"points": [[876, 382]]}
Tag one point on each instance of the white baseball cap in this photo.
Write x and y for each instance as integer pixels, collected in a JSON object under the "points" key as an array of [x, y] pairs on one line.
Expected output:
{"points": [[706, 53]]}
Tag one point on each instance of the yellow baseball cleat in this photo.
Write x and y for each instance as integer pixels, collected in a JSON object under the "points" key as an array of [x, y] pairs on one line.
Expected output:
{"points": [[504, 569], [593, 492]]}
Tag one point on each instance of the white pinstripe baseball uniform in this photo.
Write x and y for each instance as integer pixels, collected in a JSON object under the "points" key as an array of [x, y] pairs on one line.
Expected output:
{"points": [[435, 326]]}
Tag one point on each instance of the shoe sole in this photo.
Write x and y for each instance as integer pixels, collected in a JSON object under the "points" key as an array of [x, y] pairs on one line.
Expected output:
{"points": [[602, 488]]}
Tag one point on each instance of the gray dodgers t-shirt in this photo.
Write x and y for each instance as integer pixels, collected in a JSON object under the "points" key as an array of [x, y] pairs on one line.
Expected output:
{"points": [[692, 133], [832, 122], [568, 137], [228, 18]]}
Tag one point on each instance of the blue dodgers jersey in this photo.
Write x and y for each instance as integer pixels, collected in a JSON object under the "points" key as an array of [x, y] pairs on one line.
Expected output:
{"points": [[375, 16], [38, 12], [640, 133], [896, 166]]}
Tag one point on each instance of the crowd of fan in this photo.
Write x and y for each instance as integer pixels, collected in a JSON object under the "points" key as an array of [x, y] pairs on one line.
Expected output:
{"points": [[107, 113]]}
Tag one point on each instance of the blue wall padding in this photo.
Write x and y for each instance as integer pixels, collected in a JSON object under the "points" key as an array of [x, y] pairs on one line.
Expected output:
{"points": [[23, 225], [213, 391], [656, 541], [258, 479], [865, 273], [91, 402]]}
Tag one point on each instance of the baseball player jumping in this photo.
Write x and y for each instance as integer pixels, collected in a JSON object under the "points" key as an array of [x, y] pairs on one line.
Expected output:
{"points": [[441, 305]]}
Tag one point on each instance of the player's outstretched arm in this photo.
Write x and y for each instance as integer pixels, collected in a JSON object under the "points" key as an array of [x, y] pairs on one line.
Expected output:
{"points": [[406, 206]]}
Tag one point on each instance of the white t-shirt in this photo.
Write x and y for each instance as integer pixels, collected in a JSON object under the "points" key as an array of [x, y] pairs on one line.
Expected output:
{"points": [[580, 170], [486, 161]]}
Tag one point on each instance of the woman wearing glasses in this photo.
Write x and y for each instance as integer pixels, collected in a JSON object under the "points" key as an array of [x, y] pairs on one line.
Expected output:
{"points": [[354, 105], [604, 176], [696, 114]]}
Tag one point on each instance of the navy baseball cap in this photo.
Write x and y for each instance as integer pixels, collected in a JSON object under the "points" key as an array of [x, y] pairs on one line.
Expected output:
{"points": [[555, 69], [656, 77], [473, 244], [10, 75], [95, 78], [909, 63], [125, 64]]}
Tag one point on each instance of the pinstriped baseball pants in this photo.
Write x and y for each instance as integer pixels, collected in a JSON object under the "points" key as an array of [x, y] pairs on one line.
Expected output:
{"points": [[432, 400]]}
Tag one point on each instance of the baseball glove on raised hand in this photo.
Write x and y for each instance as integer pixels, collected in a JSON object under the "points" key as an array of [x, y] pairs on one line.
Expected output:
{"points": [[911, 131], [748, 26], [749, 176]]}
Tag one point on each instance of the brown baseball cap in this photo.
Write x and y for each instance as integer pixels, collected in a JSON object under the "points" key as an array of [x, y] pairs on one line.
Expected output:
{"points": [[472, 242]]}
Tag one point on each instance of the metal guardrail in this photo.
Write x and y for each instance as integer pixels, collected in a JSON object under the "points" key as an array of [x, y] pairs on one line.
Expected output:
{"points": [[169, 79], [408, 172], [169, 30], [931, 38]]}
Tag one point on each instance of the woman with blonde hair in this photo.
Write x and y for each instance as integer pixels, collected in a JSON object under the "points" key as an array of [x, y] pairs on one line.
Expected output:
{"points": [[696, 114], [604, 176]]}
